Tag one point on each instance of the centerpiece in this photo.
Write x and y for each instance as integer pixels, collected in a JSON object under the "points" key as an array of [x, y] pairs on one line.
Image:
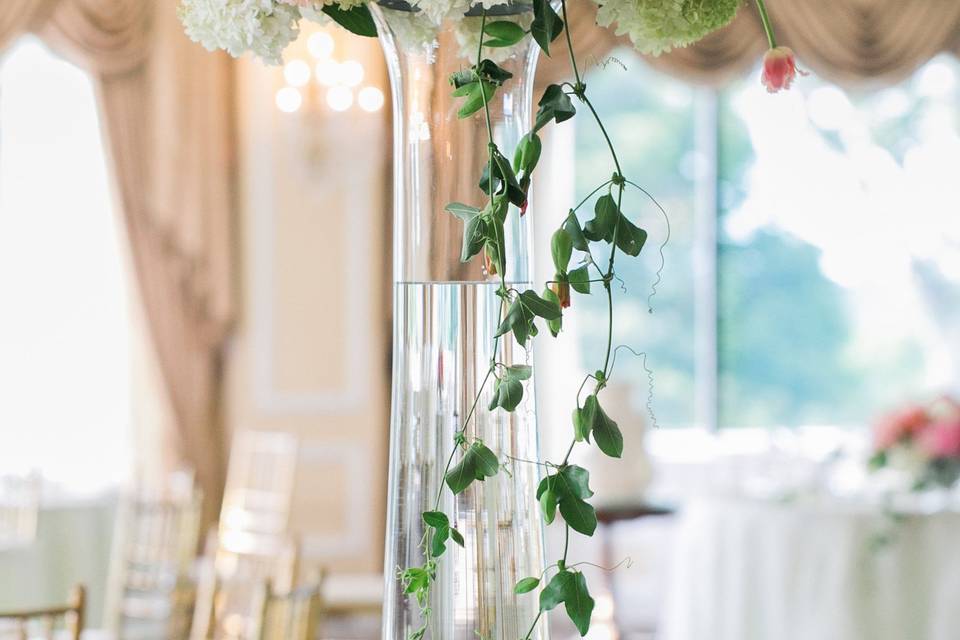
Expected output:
{"points": [[469, 495]]}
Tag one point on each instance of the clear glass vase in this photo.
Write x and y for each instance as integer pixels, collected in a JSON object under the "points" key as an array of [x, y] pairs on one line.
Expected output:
{"points": [[445, 315]]}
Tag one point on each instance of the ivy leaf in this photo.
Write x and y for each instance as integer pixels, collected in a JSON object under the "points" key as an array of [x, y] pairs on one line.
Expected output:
{"points": [[503, 33], [606, 433], [357, 19], [572, 226], [579, 514], [554, 105], [557, 590], [503, 175], [579, 279], [561, 248], [578, 603], [463, 211], [456, 536], [546, 26], [527, 585], [576, 481], [436, 519], [630, 237], [493, 73], [507, 393], [476, 94], [604, 221], [520, 371], [581, 426], [540, 307], [477, 463], [548, 498], [519, 320], [438, 543], [554, 325], [473, 238]]}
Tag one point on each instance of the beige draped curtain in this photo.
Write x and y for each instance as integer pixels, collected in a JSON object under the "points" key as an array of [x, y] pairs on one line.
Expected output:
{"points": [[851, 42], [166, 114]]}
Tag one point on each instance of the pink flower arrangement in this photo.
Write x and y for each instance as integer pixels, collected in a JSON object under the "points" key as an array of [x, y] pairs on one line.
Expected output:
{"points": [[930, 433]]}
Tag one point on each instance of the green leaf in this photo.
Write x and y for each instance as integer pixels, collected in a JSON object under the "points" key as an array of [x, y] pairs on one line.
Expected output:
{"points": [[463, 211], [519, 320], [606, 433], [554, 105], [478, 93], [473, 238], [546, 26], [477, 463], [548, 498], [520, 371], [581, 426], [557, 590], [579, 279], [357, 19], [436, 519], [492, 72], [561, 248], [438, 543], [572, 226], [507, 393], [605, 218], [503, 33], [630, 238], [456, 536], [578, 603], [538, 306], [576, 481], [579, 514], [527, 585], [554, 325], [527, 155]]}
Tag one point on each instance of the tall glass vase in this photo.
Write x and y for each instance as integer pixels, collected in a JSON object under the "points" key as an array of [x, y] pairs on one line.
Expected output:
{"points": [[445, 316]]}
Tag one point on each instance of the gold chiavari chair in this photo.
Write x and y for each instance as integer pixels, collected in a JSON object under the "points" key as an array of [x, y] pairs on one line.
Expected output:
{"points": [[293, 615], [230, 583], [21, 625], [152, 589]]}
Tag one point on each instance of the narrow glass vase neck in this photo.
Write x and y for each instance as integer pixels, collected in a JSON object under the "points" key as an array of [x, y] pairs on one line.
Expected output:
{"points": [[439, 157]]}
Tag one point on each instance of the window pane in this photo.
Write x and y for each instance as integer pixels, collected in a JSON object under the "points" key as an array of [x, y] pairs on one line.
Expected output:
{"points": [[64, 330], [651, 118], [839, 249]]}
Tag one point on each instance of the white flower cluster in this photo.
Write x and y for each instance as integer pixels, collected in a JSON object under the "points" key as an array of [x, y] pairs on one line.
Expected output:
{"points": [[264, 27], [656, 26]]}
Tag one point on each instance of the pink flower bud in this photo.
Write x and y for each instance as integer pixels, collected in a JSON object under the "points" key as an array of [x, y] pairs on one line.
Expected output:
{"points": [[779, 69], [941, 440]]}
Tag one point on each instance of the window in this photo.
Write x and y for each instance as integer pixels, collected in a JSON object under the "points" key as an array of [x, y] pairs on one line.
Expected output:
{"points": [[813, 272], [64, 326]]}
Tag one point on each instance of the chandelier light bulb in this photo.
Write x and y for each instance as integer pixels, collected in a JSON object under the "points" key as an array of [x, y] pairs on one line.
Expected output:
{"points": [[327, 72], [296, 73], [351, 73], [370, 99], [340, 98], [289, 100], [320, 45]]}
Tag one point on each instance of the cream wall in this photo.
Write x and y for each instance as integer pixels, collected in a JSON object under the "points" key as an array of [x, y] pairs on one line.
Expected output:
{"points": [[310, 356]]}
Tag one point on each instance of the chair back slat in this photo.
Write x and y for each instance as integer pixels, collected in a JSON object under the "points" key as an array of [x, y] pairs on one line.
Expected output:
{"points": [[70, 616]]}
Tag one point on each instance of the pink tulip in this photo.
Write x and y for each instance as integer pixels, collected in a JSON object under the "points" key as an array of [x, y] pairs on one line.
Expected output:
{"points": [[941, 440], [779, 69], [900, 425]]}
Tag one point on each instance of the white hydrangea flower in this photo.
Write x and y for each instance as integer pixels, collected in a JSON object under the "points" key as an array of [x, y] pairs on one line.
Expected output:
{"points": [[260, 26], [657, 26], [413, 32]]}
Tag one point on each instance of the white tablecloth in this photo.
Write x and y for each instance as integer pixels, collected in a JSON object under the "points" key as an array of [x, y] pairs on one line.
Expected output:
{"points": [[746, 570]]}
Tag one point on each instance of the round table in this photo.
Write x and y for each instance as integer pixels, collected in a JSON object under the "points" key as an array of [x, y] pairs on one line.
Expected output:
{"points": [[812, 570]]}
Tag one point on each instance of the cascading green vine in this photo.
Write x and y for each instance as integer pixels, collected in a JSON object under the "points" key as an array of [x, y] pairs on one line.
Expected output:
{"points": [[565, 489]]}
